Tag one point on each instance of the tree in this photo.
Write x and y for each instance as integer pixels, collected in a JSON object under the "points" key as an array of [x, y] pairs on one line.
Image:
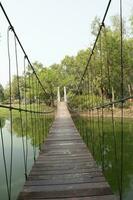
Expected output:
{"points": [[95, 26], [116, 24], [131, 22], [1, 93], [50, 80]]}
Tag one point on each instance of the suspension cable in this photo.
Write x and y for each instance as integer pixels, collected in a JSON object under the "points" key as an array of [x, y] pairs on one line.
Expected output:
{"points": [[21, 46], [95, 43], [35, 111]]}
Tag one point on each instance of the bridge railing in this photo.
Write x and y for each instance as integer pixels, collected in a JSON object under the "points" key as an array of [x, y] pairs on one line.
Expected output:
{"points": [[103, 94], [24, 108]]}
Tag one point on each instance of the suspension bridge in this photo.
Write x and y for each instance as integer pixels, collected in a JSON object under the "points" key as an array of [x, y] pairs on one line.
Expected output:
{"points": [[66, 167]]}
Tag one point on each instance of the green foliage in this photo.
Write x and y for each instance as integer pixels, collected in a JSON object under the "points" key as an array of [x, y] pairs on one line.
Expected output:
{"points": [[95, 26], [90, 129], [131, 22], [84, 102], [70, 70], [36, 128], [1, 93]]}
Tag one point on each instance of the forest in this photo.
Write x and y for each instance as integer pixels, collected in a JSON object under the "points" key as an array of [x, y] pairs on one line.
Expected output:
{"points": [[69, 71]]}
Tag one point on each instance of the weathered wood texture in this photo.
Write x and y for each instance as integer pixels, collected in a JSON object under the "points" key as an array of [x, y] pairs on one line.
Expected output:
{"points": [[65, 169]]}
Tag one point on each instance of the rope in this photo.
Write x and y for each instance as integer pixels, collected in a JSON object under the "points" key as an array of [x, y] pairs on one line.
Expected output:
{"points": [[11, 118], [22, 48], [26, 118], [102, 89], [112, 110], [92, 104], [31, 82], [86, 93], [99, 134], [122, 96], [20, 112], [4, 159], [34, 112], [95, 43]]}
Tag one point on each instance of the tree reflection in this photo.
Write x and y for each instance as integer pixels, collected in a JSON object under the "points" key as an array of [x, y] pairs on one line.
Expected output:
{"points": [[32, 126], [2, 122]]}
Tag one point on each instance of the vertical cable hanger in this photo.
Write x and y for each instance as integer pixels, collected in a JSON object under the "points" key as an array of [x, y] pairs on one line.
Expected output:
{"points": [[5, 162], [39, 119], [102, 96], [85, 112], [36, 114], [89, 103], [20, 111], [92, 105], [33, 120], [22, 96], [11, 115], [97, 103], [111, 107], [80, 106], [87, 107], [26, 117], [33, 107], [122, 96], [83, 109]]}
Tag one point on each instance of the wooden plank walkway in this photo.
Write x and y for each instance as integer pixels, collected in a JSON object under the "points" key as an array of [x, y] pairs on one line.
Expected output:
{"points": [[65, 169]]}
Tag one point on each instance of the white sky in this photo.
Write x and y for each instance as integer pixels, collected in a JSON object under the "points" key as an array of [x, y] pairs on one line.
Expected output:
{"points": [[51, 29]]}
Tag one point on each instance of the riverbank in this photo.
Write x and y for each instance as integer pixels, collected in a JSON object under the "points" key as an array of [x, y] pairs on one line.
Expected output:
{"points": [[5, 112], [127, 113]]}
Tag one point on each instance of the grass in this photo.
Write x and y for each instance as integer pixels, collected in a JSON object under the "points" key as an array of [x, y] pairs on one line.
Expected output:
{"points": [[5, 112]]}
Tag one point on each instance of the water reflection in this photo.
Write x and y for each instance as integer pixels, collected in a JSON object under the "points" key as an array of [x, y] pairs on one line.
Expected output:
{"points": [[90, 130], [35, 129], [2, 122]]}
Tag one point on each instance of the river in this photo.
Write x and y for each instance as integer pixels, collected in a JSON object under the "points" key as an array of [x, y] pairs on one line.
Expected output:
{"points": [[91, 132], [18, 177]]}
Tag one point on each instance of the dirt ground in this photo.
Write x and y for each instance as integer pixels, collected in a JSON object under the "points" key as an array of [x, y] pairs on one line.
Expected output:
{"points": [[127, 112]]}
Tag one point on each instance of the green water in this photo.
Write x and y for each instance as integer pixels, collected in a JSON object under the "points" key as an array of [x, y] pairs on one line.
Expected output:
{"points": [[91, 131], [35, 131], [107, 151]]}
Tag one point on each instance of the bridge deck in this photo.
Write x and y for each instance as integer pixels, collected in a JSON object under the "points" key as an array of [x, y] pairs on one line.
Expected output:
{"points": [[65, 169]]}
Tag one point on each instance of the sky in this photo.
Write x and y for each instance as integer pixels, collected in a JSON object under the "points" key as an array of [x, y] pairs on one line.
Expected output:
{"points": [[51, 29]]}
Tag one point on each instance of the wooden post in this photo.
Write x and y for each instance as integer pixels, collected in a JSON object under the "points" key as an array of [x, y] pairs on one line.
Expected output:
{"points": [[65, 97], [58, 94], [129, 90], [113, 98]]}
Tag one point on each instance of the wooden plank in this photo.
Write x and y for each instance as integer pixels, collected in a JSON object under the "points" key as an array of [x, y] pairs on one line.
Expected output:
{"points": [[65, 151], [68, 190], [105, 197], [64, 172], [65, 169], [64, 166], [48, 173], [71, 159], [70, 180]]}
